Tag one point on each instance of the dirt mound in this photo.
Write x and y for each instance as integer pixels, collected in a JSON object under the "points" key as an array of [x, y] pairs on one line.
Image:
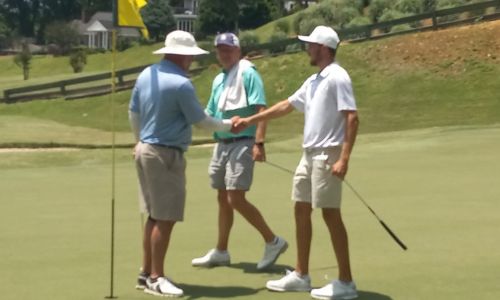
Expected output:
{"points": [[449, 49]]}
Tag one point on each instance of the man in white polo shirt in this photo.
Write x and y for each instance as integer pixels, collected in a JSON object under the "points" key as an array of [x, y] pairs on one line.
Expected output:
{"points": [[330, 129]]}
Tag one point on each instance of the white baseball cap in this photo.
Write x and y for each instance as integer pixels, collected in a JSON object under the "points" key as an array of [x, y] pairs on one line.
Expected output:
{"points": [[181, 43], [323, 35]]}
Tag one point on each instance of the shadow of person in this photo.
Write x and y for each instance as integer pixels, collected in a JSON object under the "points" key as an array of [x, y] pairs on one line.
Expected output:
{"points": [[251, 268], [216, 292], [365, 295]]}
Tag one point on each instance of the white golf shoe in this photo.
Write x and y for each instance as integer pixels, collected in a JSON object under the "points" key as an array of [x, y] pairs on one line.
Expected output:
{"points": [[272, 252], [213, 258], [337, 290], [161, 286], [291, 282]]}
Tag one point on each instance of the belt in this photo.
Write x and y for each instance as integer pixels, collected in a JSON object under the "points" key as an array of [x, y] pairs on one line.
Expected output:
{"points": [[234, 139], [170, 147]]}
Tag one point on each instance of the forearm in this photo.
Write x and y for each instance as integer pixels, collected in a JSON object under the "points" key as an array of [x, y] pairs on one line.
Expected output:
{"points": [[135, 124], [212, 124], [352, 123], [260, 134], [278, 110]]}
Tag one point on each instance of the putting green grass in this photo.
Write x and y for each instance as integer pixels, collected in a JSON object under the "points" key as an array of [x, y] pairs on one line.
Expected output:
{"points": [[436, 188]]}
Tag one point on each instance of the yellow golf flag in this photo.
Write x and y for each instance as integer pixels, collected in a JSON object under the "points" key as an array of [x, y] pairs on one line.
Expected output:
{"points": [[129, 14]]}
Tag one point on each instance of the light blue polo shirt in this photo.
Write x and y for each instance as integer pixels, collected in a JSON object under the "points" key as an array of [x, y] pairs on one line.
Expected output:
{"points": [[254, 89], [167, 105]]}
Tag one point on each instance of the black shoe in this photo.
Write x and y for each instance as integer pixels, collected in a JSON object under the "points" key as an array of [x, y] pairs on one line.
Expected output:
{"points": [[141, 280]]}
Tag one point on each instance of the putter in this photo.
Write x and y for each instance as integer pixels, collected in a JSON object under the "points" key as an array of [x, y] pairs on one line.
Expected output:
{"points": [[391, 233]]}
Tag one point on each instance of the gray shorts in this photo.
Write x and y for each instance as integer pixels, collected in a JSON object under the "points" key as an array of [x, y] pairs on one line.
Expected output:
{"points": [[231, 167], [162, 179], [313, 181]]}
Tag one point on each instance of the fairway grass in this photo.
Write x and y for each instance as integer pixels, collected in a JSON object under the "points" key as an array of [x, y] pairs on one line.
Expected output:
{"points": [[436, 188]]}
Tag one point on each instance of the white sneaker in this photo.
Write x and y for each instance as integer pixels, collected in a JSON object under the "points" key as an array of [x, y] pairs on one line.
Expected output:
{"points": [[336, 290], [162, 287], [291, 282], [272, 252], [213, 258]]}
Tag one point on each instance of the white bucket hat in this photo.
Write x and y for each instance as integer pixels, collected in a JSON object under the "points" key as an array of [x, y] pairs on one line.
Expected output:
{"points": [[181, 43], [322, 35]]}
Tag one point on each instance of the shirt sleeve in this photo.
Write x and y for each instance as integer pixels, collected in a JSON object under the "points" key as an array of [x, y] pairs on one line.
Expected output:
{"points": [[134, 100], [345, 95], [212, 104], [298, 99], [188, 102], [254, 87]]}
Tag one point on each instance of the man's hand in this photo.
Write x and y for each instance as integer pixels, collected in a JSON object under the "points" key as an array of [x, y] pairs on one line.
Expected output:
{"points": [[258, 152], [136, 148], [239, 124], [339, 168]]}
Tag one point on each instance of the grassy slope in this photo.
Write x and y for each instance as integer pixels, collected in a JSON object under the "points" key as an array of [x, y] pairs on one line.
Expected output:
{"points": [[395, 90]]}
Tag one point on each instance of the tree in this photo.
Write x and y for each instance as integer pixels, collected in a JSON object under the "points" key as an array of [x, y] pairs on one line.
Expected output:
{"points": [[63, 35], [254, 13], [158, 18], [23, 60], [216, 16]]}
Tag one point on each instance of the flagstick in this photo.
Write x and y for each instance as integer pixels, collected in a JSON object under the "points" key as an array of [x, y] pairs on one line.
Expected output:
{"points": [[113, 163]]}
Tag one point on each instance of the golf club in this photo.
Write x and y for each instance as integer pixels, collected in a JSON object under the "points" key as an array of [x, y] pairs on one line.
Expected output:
{"points": [[391, 233]]}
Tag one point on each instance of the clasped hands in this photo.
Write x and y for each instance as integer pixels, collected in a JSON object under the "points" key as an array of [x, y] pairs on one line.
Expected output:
{"points": [[239, 124]]}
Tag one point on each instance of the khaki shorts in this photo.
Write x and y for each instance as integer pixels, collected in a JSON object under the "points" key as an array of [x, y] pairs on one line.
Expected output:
{"points": [[162, 179], [313, 182], [231, 167]]}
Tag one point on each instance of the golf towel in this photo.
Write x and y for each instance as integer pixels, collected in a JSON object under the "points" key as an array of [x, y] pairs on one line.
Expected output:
{"points": [[234, 96]]}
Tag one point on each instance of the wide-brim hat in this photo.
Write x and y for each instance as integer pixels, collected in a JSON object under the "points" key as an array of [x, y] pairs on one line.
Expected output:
{"points": [[322, 35], [181, 43]]}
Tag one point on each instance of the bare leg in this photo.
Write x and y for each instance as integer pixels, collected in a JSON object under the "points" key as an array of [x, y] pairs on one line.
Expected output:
{"points": [[303, 231], [338, 236], [160, 238], [146, 246], [226, 217], [250, 213]]}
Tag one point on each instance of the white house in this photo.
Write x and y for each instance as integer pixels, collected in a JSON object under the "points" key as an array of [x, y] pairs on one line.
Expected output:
{"points": [[186, 15], [96, 33]]}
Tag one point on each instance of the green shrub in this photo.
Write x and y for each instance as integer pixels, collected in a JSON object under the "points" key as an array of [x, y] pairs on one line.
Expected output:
{"points": [[78, 60], [410, 6], [347, 14], [283, 26], [359, 21], [400, 27], [308, 25], [248, 38], [276, 40], [377, 8], [123, 43]]}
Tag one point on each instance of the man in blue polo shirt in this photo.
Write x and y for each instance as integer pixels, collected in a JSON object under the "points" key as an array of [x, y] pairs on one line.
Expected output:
{"points": [[162, 109], [237, 91]]}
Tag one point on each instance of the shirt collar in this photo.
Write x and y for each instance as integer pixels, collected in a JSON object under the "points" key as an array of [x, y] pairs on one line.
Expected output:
{"points": [[324, 73], [170, 65]]}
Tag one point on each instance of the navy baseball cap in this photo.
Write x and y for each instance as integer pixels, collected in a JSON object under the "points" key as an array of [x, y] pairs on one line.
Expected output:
{"points": [[228, 38]]}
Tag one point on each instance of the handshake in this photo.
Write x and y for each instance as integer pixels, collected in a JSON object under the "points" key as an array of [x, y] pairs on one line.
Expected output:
{"points": [[239, 124]]}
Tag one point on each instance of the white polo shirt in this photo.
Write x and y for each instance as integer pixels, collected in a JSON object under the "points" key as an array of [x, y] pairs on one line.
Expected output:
{"points": [[322, 98]]}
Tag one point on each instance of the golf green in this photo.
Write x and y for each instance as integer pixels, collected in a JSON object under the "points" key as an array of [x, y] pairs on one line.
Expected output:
{"points": [[436, 188]]}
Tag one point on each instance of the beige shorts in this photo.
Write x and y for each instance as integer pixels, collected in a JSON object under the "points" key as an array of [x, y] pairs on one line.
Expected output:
{"points": [[313, 181], [162, 179], [231, 167]]}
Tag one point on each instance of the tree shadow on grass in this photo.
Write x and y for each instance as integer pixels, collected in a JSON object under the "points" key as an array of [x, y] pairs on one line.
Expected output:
{"points": [[216, 292], [365, 295], [251, 268]]}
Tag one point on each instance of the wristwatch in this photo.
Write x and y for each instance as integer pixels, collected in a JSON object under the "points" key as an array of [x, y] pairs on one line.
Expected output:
{"points": [[260, 144]]}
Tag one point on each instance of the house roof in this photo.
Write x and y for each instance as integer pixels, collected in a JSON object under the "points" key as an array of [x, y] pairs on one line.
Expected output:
{"points": [[103, 22]]}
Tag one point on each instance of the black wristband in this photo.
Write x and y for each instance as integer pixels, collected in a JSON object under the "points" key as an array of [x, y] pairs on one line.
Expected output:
{"points": [[261, 144]]}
